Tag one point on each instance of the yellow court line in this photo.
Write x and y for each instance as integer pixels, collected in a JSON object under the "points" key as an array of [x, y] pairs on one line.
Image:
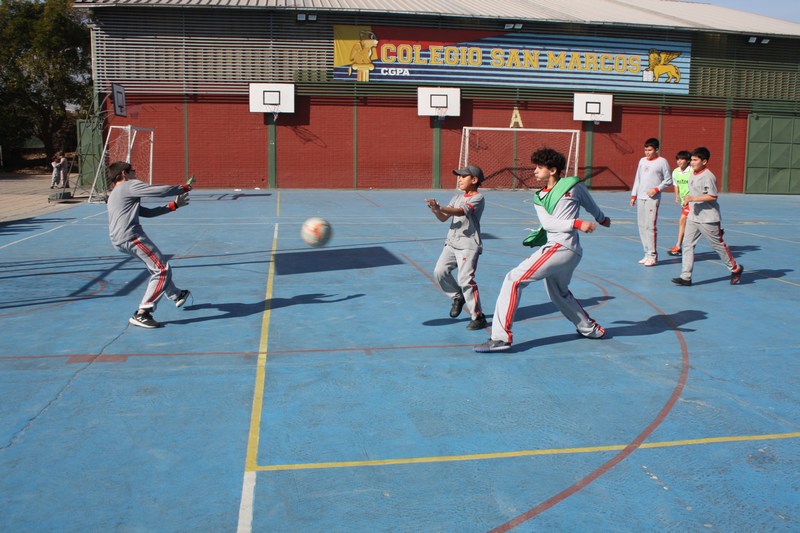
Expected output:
{"points": [[522, 453], [251, 461]]}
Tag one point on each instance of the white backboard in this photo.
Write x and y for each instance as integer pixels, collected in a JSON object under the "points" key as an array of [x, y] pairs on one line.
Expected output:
{"points": [[118, 99], [438, 101], [272, 97], [593, 107]]}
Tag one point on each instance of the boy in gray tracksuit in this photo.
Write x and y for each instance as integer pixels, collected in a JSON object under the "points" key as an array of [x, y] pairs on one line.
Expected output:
{"points": [[127, 235], [653, 175], [557, 206], [462, 246], [704, 219]]}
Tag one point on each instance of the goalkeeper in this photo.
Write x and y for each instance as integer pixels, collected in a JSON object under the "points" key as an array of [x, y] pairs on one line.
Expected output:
{"points": [[127, 235]]}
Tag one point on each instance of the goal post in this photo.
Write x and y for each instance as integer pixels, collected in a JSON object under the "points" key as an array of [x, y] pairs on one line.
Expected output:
{"points": [[504, 154], [131, 144]]}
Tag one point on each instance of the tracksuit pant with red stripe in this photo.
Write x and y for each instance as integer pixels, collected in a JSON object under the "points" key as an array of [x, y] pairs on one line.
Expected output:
{"points": [[160, 282], [466, 261], [553, 263], [713, 234]]}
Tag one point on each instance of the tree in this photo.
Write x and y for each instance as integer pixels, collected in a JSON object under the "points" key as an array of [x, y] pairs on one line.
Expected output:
{"points": [[45, 71]]}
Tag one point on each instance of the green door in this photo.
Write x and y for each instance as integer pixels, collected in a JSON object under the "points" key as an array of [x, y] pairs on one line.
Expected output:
{"points": [[773, 155]]}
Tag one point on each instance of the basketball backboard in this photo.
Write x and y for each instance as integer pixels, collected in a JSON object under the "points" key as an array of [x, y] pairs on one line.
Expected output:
{"points": [[118, 98], [272, 97], [593, 107], [438, 102]]}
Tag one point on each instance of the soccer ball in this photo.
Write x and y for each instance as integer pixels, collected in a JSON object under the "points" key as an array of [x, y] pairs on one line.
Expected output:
{"points": [[316, 232]]}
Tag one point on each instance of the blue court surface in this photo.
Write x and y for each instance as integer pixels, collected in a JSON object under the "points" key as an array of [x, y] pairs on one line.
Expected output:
{"points": [[327, 390]]}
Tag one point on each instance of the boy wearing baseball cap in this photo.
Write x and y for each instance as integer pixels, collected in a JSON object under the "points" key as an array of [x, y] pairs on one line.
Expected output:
{"points": [[462, 246]]}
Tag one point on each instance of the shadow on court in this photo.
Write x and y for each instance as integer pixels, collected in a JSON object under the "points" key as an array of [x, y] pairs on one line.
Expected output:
{"points": [[337, 259], [236, 310]]}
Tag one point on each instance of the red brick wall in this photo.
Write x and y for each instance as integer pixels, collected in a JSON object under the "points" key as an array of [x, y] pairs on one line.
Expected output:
{"points": [[228, 145]]}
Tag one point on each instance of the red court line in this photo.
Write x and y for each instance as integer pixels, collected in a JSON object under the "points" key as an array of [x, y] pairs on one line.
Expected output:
{"points": [[116, 358], [105, 358], [630, 448]]}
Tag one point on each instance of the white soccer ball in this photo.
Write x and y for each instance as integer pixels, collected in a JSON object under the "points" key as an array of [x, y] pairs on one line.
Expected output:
{"points": [[316, 232]]}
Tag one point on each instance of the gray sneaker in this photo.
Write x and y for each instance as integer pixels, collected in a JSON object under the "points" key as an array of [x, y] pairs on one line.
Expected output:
{"points": [[493, 346], [181, 299], [144, 319]]}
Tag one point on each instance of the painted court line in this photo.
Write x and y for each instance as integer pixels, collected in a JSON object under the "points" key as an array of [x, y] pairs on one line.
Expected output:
{"points": [[249, 481], [525, 453], [32, 236]]}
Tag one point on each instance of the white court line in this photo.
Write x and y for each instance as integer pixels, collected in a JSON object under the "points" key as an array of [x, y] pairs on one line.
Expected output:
{"points": [[32, 236], [251, 462], [48, 231], [246, 507]]}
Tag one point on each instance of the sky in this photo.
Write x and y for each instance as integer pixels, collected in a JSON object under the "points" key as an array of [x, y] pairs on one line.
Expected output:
{"points": [[780, 9]]}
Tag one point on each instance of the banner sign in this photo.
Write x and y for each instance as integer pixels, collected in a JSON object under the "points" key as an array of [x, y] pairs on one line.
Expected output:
{"points": [[375, 54]]}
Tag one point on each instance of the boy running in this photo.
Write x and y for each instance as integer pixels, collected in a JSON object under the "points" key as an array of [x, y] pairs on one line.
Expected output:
{"points": [[557, 207], [462, 246], [704, 219]]}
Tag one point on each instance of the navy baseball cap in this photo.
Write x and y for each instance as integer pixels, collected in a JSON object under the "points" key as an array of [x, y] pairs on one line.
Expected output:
{"points": [[470, 170]]}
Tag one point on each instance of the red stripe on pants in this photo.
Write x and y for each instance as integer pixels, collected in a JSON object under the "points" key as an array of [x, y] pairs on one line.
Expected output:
{"points": [[162, 276]]}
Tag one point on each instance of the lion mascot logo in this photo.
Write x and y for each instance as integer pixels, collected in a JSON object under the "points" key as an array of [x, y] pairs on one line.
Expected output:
{"points": [[361, 55], [660, 65]]}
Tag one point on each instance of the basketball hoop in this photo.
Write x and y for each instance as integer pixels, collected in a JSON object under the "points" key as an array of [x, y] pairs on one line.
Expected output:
{"points": [[595, 118], [441, 112]]}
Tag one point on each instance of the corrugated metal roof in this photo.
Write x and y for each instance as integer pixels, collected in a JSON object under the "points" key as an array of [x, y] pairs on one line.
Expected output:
{"points": [[650, 13]]}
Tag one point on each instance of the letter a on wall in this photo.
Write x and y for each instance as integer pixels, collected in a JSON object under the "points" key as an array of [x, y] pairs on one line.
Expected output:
{"points": [[516, 119]]}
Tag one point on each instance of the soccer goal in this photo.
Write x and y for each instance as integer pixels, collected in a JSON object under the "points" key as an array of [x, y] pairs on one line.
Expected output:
{"points": [[131, 144], [504, 154]]}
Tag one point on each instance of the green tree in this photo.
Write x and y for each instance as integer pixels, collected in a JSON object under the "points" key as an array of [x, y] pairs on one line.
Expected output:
{"points": [[45, 71]]}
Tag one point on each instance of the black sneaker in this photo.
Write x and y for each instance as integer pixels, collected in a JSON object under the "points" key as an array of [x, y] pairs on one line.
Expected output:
{"points": [[675, 251], [478, 323], [736, 276], [493, 346], [458, 305], [684, 282], [144, 319], [181, 299]]}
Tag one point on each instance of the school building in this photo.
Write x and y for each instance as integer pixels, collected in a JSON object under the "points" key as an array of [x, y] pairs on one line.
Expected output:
{"points": [[690, 74]]}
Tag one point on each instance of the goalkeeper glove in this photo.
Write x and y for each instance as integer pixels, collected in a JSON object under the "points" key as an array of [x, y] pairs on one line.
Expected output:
{"points": [[180, 201]]}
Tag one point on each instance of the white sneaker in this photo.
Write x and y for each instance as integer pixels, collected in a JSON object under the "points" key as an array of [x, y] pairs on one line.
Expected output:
{"points": [[598, 332], [181, 299], [650, 262], [643, 260]]}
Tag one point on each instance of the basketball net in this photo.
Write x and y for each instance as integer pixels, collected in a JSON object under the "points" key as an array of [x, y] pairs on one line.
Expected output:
{"points": [[275, 110], [441, 112]]}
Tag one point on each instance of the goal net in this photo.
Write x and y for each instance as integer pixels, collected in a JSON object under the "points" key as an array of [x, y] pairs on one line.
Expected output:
{"points": [[504, 154], [131, 144]]}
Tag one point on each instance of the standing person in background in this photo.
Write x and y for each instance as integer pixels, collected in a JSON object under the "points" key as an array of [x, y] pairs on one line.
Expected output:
{"points": [[680, 178], [59, 164], [653, 176]]}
